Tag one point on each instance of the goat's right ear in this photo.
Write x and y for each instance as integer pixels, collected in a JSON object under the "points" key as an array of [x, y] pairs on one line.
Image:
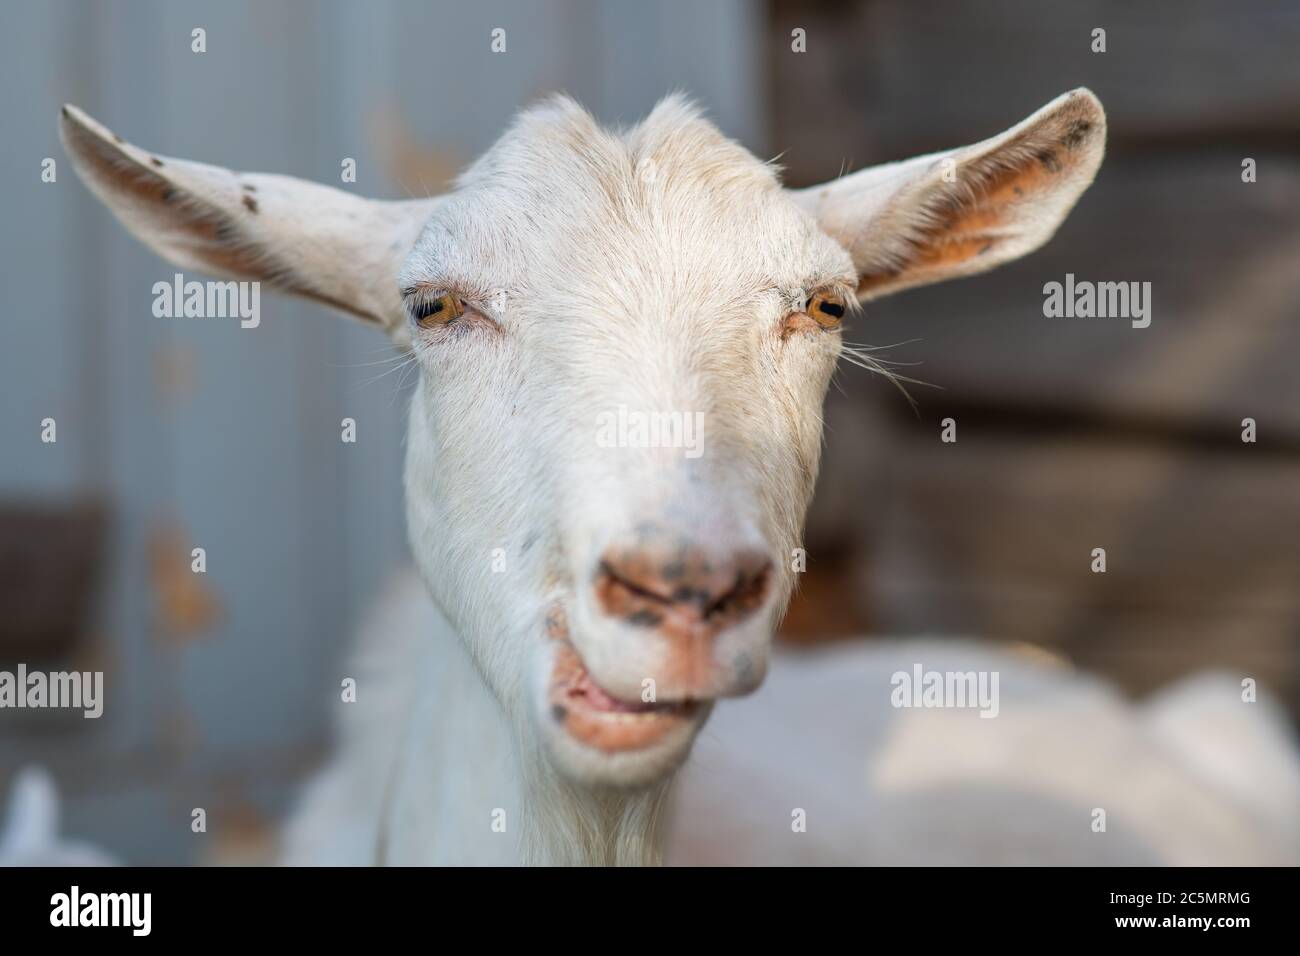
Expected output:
{"points": [[963, 211], [297, 236]]}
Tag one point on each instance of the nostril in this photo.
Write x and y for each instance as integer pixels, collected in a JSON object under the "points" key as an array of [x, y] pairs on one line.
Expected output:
{"points": [[747, 591], [689, 587], [619, 579]]}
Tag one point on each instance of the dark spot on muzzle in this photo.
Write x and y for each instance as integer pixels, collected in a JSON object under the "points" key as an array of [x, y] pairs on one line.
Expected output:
{"points": [[645, 618]]}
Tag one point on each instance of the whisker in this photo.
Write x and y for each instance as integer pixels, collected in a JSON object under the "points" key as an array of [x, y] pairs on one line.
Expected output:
{"points": [[860, 356], [406, 189], [401, 380], [399, 357], [406, 361], [862, 346]]}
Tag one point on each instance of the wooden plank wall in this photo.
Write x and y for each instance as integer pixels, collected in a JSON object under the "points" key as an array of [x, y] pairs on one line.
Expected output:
{"points": [[1074, 434]]}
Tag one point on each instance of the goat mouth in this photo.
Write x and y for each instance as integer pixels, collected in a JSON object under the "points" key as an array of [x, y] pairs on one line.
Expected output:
{"points": [[592, 716]]}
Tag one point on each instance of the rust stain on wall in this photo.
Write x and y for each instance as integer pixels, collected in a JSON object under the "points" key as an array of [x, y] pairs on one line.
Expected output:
{"points": [[185, 607], [175, 371]]}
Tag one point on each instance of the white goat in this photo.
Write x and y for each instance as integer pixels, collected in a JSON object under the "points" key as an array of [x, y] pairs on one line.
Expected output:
{"points": [[599, 595], [31, 832]]}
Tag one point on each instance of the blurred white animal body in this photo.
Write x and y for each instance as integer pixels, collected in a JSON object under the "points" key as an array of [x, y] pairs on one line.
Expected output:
{"points": [[1192, 776], [883, 785], [31, 832]]}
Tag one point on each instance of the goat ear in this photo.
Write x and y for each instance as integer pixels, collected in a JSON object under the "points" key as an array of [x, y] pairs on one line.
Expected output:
{"points": [[300, 237], [964, 211]]}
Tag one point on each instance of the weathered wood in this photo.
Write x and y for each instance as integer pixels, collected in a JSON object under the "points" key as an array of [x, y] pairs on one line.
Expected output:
{"points": [[891, 78], [994, 536]]}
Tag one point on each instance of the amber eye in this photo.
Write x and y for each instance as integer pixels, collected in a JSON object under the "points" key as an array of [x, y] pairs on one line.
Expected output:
{"points": [[436, 311], [826, 309]]}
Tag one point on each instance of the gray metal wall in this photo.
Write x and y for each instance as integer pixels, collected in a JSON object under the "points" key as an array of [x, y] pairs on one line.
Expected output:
{"points": [[230, 437]]}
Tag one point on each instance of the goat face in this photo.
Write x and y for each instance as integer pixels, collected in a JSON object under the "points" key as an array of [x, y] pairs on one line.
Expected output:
{"points": [[624, 342], [617, 429]]}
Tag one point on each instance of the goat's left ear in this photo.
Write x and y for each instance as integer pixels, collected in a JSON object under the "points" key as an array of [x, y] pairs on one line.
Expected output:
{"points": [[300, 237], [960, 212]]}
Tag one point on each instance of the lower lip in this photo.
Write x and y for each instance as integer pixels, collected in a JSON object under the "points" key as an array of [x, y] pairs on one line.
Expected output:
{"points": [[592, 717]]}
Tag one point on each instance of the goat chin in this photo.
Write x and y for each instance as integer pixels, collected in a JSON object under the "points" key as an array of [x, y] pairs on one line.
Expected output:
{"points": [[430, 771]]}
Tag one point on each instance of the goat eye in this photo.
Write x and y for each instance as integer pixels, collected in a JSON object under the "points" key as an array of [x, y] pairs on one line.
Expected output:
{"points": [[826, 309], [439, 310]]}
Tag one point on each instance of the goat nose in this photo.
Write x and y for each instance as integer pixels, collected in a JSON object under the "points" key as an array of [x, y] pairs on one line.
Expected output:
{"points": [[682, 590]]}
